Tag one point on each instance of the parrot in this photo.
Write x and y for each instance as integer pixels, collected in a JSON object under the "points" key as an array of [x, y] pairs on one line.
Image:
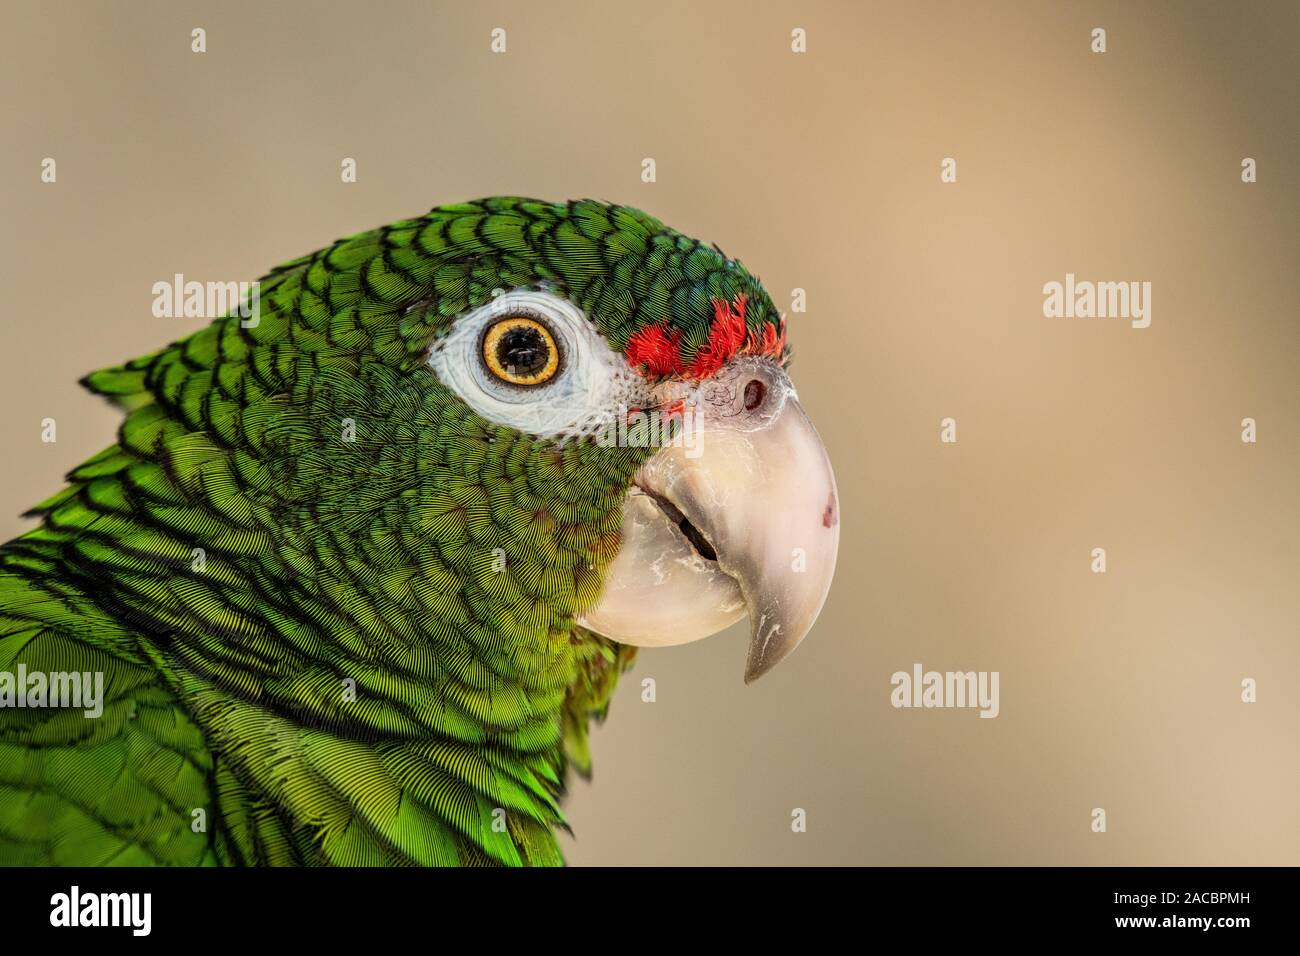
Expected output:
{"points": [[366, 561]]}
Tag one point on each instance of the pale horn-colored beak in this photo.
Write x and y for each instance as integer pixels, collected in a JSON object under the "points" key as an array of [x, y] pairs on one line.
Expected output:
{"points": [[740, 514]]}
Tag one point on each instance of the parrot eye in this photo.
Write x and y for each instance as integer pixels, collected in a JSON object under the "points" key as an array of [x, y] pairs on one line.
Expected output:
{"points": [[520, 350], [532, 360]]}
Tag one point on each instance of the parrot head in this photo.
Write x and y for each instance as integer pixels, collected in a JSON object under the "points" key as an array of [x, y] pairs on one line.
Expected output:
{"points": [[473, 432]]}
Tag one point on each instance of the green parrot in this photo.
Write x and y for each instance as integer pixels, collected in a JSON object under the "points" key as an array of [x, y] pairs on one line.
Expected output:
{"points": [[368, 557]]}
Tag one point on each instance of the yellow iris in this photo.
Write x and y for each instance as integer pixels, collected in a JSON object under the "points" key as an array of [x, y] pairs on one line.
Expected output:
{"points": [[521, 351]]}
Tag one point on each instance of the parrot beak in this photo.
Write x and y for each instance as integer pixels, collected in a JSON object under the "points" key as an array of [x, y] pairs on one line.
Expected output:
{"points": [[739, 515]]}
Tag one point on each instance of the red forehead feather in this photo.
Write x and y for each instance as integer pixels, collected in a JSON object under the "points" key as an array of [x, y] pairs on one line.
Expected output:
{"points": [[656, 349]]}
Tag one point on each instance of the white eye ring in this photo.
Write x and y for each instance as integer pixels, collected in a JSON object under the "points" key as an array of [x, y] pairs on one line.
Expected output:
{"points": [[592, 383]]}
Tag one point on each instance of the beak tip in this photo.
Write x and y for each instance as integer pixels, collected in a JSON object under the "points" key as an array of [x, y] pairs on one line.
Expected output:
{"points": [[756, 667]]}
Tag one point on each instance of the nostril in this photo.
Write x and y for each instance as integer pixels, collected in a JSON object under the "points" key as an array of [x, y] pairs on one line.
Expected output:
{"points": [[755, 392]]}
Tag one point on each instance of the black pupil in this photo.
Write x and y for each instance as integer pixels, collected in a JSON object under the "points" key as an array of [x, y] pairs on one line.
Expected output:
{"points": [[522, 351]]}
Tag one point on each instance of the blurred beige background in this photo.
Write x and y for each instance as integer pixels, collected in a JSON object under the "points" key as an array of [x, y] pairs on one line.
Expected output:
{"points": [[820, 171]]}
